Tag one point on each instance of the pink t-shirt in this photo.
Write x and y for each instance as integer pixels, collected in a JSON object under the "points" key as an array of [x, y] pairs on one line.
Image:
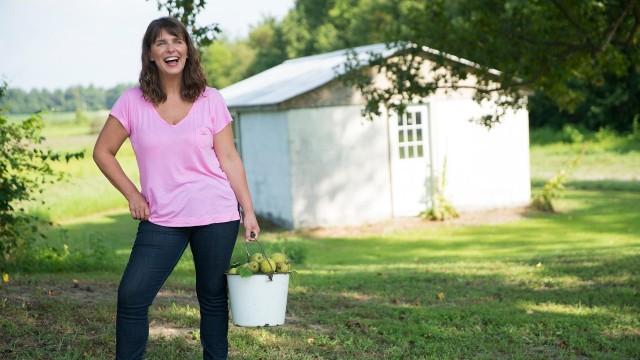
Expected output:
{"points": [[180, 175]]}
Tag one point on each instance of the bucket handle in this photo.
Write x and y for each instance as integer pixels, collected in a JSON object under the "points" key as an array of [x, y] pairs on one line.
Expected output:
{"points": [[246, 248]]}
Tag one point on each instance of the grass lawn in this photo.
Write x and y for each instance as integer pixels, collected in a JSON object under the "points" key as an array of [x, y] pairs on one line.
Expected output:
{"points": [[536, 287]]}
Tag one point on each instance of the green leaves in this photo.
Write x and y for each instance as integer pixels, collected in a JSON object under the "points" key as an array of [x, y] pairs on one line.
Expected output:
{"points": [[243, 271], [186, 11], [24, 168], [536, 45]]}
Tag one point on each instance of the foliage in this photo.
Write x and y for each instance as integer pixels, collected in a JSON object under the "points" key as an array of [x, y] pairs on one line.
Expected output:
{"points": [[18, 101], [635, 128], [535, 45], [554, 188], [227, 62], [24, 169], [441, 209], [186, 11], [267, 40], [571, 134], [43, 256], [614, 103], [544, 287], [295, 252]]}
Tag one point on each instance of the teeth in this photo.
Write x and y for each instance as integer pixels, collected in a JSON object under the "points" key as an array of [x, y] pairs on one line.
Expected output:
{"points": [[171, 58]]}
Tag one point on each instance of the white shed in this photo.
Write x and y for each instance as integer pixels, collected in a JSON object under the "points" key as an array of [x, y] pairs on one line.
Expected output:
{"points": [[312, 160]]}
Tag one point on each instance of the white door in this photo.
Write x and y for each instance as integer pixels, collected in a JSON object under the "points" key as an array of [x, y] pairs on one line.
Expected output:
{"points": [[410, 161]]}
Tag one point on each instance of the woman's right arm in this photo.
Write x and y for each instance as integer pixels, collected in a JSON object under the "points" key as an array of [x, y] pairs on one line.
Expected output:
{"points": [[110, 139]]}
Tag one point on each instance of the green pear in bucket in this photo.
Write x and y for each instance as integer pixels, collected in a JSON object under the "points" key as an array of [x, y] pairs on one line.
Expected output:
{"points": [[282, 267], [253, 266], [279, 257], [268, 266], [233, 271], [257, 257]]}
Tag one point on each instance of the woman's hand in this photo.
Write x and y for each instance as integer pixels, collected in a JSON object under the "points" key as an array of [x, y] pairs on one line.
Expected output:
{"points": [[251, 226], [138, 206]]}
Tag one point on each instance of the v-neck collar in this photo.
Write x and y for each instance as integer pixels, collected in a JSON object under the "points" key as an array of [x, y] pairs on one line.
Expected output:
{"points": [[157, 114]]}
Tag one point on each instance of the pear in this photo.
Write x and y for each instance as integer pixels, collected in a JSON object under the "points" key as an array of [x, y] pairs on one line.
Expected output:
{"points": [[268, 266], [257, 257], [279, 257], [253, 266], [233, 271], [282, 267]]}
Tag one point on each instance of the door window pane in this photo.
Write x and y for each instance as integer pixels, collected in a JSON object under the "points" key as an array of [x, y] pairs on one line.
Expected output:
{"points": [[410, 151], [410, 135], [400, 136], [419, 150], [401, 152], [418, 118], [419, 134]]}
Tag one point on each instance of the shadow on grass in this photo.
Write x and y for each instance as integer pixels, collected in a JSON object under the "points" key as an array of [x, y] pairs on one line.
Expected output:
{"points": [[612, 184], [594, 222], [100, 246], [550, 286], [394, 314]]}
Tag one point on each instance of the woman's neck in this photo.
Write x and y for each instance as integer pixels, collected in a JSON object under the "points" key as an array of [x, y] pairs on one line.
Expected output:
{"points": [[171, 85]]}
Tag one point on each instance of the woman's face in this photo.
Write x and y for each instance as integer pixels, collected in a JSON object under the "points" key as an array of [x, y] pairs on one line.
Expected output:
{"points": [[169, 52]]}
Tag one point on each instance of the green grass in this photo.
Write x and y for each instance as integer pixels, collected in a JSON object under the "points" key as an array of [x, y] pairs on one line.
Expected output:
{"points": [[549, 286], [607, 157], [560, 286]]}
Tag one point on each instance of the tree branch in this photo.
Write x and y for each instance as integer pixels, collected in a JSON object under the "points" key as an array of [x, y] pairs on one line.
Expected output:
{"points": [[614, 27], [566, 14], [636, 25]]}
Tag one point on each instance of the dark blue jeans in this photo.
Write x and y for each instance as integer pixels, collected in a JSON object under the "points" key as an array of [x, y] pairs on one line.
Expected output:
{"points": [[155, 253]]}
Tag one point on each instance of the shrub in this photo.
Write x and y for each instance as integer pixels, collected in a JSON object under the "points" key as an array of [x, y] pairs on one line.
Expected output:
{"points": [[635, 128], [571, 134], [24, 168], [441, 209], [554, 188]]}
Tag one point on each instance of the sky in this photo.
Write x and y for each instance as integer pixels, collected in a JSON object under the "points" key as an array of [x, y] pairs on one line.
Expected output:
{"points": [[59, 43]]}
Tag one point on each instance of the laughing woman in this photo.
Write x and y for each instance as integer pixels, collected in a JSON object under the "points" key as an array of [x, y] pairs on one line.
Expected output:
{"points": [[193, 187]]}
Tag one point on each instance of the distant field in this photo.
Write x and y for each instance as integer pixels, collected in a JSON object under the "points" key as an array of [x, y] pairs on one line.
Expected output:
{"points": [[608, 158], [86, 190], [541, 286], [610, 162]]}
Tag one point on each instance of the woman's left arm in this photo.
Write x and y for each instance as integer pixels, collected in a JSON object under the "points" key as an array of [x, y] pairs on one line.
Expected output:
{"points": [[231, 164]]}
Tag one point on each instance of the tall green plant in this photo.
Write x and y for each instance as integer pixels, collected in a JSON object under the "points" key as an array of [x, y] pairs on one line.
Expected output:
{"points": [[24, 168], [441, 209], [554, 188]]}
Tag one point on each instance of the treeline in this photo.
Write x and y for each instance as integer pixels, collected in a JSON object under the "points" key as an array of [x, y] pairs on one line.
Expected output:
{"points": [[84, 98], [612, 104], [317, 26]]}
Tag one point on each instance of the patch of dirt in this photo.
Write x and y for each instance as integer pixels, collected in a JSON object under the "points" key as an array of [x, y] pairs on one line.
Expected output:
{"points": [[484, 217], [84, 292], [180, 296], [159, 330]]}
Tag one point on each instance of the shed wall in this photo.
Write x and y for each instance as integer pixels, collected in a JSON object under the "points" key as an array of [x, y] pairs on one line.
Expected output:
{"points": [[340, 167], [265, 154], [485, 168]]}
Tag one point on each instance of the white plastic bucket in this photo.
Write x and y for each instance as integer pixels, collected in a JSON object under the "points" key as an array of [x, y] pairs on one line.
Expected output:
{"points": [[257, 301]]}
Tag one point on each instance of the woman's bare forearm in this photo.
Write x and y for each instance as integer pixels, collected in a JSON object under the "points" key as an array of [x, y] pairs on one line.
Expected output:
{"points": [[232, 166], [112, 170]]}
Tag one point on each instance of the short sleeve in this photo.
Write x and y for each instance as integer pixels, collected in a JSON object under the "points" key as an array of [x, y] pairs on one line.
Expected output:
{"points": [[220, 115], [122, 112]]}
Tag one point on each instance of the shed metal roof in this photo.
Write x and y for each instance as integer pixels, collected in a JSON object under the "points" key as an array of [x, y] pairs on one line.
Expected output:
{"points": [[297, 76], [294, 77]]}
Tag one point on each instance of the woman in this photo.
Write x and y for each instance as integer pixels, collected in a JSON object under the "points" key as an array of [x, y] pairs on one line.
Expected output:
{"points": [[192, 186]]}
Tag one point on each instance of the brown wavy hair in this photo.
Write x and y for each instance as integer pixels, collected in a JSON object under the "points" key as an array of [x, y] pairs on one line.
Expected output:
{"points": [[194, 81]]}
